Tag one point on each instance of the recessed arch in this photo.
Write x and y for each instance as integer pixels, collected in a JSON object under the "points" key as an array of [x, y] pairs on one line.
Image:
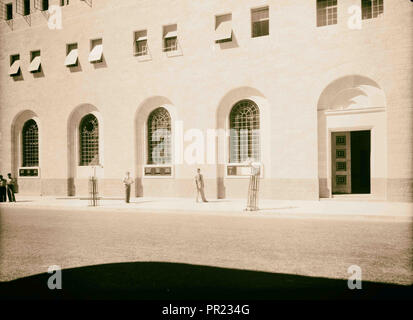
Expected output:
{"points": [[244, 139], [351, 92], [20, 120], [351, 116], [143, 113], [223, 123], [159, 137], [76, 170]]}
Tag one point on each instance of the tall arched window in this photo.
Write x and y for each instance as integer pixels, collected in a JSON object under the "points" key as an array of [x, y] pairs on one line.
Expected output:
{"points": [[89, 141], [159, 137], [244, 132], [30, 144]]}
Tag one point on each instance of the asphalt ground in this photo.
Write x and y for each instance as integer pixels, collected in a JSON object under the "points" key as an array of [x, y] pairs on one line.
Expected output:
{"points": [[114, 253]]}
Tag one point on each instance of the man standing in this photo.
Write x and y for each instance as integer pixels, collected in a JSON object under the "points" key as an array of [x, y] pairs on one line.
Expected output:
{"points": [[3, 189], [127, 181], [10, 188], [199, 181]]}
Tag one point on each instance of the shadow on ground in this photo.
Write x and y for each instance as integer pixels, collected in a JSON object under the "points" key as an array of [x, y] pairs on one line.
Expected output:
{"points": [[174, 281]]}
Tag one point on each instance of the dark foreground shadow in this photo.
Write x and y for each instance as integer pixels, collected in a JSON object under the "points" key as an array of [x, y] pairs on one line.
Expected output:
{"points": [[174, 281]]}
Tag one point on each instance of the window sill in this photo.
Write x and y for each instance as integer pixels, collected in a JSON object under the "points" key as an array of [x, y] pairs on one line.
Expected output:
{"points": [[144, 57], [175, 53]]}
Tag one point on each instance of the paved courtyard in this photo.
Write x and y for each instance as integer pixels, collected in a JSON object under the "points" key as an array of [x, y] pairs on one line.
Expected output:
{"points": [[32, 239]]}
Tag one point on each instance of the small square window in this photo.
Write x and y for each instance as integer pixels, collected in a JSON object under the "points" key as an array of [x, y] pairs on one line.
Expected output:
{"points": [[326, 12], [9, 11], [26, 7], [96, 51], [64, 3], [341, 140], [371, 9], [44, 5], [341, 153], [223, 28], [341, 166], [341, 180], [260, 22], [14, 65], [35, 61], [141, 43], [71, 55], [170, 37]]}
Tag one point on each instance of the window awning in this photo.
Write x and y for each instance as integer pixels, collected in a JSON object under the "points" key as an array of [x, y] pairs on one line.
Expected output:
{"points": [[14, 68], [96, 53], [71, 58], [171, 34], [260, 15], [223, 31], [35, 64], [141, 38]]}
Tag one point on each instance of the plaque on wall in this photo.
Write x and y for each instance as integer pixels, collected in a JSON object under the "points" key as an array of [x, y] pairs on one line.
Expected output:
{"points": [[158, 171], [28, 172]]}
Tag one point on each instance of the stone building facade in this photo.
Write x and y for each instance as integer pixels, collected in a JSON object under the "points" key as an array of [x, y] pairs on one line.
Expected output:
{"points": [[319, 92]]}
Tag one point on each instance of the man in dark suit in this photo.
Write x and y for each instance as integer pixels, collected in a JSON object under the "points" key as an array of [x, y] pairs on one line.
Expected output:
{"points": [[3, 189], [10, 188]]}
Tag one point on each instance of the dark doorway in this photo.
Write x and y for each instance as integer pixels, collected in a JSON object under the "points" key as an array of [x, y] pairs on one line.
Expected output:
{"points": [[360, 161]]}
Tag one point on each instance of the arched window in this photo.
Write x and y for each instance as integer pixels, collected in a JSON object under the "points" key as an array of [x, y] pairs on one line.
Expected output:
{"points": [[159, 137], [89, 141], [30, 144], [244, 133]]}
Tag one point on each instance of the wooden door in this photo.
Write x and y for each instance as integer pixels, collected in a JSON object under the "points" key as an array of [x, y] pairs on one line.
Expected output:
{"points": [[341, 162]]}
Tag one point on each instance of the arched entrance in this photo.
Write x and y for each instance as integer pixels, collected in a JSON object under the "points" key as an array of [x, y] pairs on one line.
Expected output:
{"points": [[352, 138]]}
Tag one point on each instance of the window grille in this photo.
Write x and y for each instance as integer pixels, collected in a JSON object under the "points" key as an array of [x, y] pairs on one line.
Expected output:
{"points": [[371, 8], [30, 141], [159, 137], [89, 141], [326, 12], [171, 44], [244, 132], [260, 22], [170, 37], [141, 47]]}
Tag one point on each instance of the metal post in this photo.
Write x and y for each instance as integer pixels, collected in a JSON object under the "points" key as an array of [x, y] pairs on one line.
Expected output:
{"points": [[93, 189], [253, 189]]}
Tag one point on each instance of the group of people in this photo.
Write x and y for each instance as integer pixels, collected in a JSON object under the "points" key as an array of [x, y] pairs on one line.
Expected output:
{"points": [[7, 188], [199, 183]]}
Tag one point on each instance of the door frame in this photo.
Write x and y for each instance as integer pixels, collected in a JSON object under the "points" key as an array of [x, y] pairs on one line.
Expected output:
{"points": [[329, 153]]}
